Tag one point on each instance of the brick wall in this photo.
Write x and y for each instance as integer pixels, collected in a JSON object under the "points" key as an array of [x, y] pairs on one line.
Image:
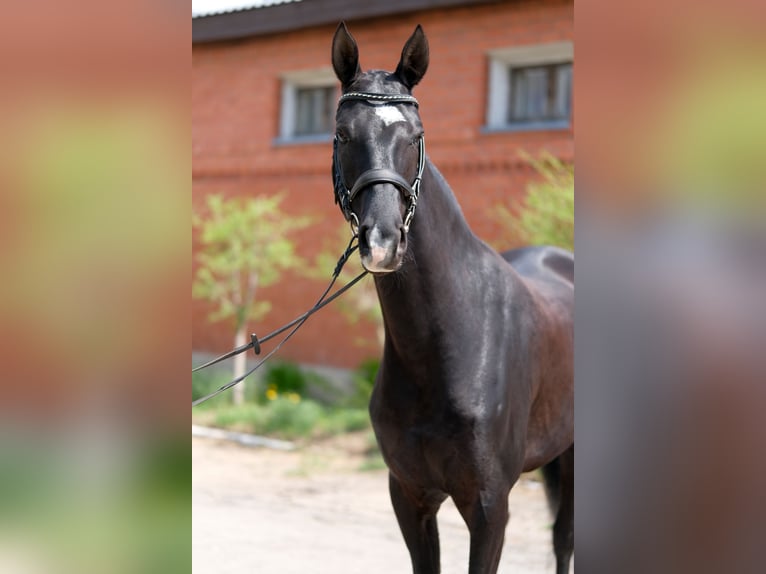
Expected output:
{"points": [[235, 118]]}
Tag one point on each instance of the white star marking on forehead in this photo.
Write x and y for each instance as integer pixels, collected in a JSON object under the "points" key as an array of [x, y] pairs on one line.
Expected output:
{"points": [[389, 114]]}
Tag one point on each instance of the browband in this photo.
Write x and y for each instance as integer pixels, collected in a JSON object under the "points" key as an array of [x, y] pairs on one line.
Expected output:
{"points": [[387, 98]]}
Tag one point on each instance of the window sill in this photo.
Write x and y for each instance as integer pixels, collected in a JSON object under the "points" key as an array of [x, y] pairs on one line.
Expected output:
{"points": [[302, 140], [528, 127]]}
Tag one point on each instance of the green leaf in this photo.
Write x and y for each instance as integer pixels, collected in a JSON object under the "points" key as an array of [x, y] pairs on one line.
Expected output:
{"points": [[546, 216], [240, 238]]}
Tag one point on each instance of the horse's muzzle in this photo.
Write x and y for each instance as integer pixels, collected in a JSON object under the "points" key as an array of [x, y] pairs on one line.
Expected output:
{"points": [[382, 251]]}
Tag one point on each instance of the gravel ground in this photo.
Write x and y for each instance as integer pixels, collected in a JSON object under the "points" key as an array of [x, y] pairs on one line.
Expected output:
{"points": [[312, 510]]}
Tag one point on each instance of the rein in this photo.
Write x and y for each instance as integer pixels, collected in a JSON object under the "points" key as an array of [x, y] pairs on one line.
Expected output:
{"points": [[344, 196], [297, 323]]}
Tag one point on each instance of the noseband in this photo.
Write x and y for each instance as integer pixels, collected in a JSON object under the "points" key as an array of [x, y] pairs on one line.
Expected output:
{"points": [[344, 196]]}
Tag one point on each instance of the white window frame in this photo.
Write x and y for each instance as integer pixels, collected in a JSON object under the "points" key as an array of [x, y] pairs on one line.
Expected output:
{"points": [[291, 83], [501, 62]]}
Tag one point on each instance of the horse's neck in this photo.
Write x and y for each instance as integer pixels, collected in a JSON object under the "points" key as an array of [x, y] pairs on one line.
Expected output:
{"points": [[420, 299]]}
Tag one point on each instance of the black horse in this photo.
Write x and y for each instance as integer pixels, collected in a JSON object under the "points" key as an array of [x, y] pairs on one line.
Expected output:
{"points": [[476, 380]]}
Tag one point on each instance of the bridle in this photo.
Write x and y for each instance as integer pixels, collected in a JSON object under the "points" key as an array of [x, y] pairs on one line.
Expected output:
{"points": [[344, 196]]}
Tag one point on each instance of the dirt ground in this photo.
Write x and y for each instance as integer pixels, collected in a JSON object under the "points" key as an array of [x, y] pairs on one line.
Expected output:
{"points": [[260, 511]]}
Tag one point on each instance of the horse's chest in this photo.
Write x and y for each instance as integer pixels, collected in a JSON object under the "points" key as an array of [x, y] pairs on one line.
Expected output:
{"points": [[423, 449], [418, 454]]}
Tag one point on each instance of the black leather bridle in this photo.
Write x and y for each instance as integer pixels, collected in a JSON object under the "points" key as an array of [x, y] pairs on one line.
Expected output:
{"points": [[344, 196]]}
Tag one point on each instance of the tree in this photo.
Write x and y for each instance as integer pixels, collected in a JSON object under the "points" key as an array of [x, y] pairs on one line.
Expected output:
{"points": [[547, 215], [244, 245]]}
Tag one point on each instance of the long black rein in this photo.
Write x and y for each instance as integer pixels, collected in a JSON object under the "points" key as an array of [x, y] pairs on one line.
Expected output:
{"points": [[343, 196], [297, 323]]}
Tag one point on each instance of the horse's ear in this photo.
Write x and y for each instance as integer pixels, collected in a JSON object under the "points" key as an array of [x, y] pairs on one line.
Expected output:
{"points": [[345, 55], [414, 61]]}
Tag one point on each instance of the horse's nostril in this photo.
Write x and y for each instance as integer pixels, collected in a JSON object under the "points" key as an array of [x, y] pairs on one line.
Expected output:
{"points": [[364, 242]]}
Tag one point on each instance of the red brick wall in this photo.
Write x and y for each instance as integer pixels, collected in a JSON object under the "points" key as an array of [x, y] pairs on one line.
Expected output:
{"points": [[235, 118]]}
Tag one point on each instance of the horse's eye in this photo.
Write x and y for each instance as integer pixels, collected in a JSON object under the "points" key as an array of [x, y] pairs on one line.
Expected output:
{"points": [[342, 137]]}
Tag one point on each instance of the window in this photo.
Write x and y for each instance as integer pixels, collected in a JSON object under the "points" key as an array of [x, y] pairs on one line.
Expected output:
{"points": [[308, 106], [540, 93], [530, 87], [314, 110]]}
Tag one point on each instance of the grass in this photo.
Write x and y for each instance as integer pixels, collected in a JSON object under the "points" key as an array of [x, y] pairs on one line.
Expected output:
{"points": [[284, 415], [286, 418]]}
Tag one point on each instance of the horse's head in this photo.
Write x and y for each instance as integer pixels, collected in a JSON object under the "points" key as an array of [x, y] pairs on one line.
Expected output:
{"points": [[379, 151]]}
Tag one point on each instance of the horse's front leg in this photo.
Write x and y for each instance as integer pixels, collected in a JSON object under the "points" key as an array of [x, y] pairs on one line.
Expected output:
{"points": [[486, 515], [416, 514]]}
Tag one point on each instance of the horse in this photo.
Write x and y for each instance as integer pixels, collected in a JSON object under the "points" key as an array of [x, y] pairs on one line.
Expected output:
{"points": [[475, 384]]}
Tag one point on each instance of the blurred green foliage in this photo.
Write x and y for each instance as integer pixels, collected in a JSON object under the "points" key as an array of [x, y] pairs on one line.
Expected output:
{"points": [[282, 403], [285, 377], [244, 245], [290, 419], [546, 216]]}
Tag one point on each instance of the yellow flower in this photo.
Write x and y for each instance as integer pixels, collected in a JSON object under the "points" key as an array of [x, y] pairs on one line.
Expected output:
{"points": [[294, 397], [271, 393]]}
